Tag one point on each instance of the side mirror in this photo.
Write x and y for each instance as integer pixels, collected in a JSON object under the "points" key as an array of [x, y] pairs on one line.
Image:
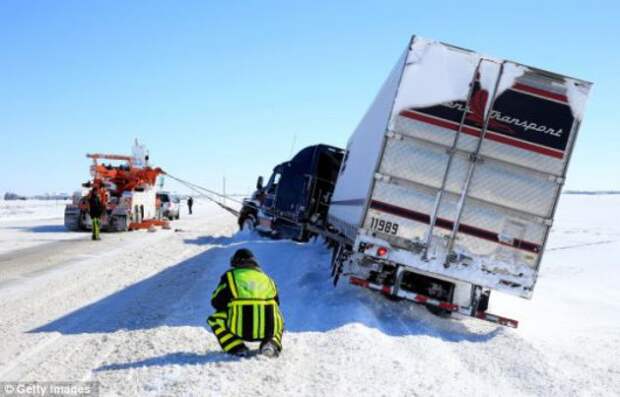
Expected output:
{"points": [[259, 183]]}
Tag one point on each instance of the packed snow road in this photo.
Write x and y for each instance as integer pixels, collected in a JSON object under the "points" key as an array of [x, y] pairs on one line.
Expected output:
{"points": [[130, 311]]}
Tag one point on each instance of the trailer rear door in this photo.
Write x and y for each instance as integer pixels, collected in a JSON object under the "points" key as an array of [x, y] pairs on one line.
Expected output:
{"points": [[475, 191]]}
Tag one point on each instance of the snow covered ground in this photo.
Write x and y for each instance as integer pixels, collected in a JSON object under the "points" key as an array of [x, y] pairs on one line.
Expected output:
{"points": [[18, 210], [129, 312], [31, 223]]}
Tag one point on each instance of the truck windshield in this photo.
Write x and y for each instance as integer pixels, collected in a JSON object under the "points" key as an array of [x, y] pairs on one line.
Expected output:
{"points": [[273, 182]]}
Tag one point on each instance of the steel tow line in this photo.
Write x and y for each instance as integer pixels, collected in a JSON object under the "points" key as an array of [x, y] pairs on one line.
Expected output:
{"points": [[201, 191]]}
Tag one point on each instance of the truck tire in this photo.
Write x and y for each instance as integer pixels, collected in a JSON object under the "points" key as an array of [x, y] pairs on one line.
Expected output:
{"points": [[303, 237], [119, 223], [72, 222], [248, 222]]}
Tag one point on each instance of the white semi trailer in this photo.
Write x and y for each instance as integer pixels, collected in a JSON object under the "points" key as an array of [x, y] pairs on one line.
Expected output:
{"points": [[449, 184]]}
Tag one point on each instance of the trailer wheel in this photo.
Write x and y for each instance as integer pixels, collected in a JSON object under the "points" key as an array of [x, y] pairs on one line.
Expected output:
{"points": [[303, 237]]}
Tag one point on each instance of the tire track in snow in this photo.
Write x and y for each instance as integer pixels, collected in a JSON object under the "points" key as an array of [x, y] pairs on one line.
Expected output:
{"points": [[47, 347], [582, 245], [73, 348], [34, 302], [42, 347]]}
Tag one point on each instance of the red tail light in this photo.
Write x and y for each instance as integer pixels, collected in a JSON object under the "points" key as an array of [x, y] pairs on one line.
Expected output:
{"points": [[382, 251]]}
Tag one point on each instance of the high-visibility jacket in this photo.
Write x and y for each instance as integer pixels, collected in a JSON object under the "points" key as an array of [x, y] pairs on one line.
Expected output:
{"points": [[96, 203], [250, 299]]}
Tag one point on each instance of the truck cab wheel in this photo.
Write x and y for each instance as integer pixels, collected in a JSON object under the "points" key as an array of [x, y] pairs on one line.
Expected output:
{"points": [[248, 223], [119, 223]]}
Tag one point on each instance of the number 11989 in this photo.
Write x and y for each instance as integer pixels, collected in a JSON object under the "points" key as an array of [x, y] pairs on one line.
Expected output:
{"points": [[381, 225]]}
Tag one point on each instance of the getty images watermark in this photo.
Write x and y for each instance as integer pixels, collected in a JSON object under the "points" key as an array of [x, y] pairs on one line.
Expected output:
{"points": [[49, 389]]}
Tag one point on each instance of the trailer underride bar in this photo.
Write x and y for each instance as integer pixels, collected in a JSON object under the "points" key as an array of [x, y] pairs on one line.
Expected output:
{"points": [[425, 300]]}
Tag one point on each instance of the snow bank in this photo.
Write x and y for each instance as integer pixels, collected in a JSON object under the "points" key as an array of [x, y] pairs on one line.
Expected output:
{"points": [[133, 318]]}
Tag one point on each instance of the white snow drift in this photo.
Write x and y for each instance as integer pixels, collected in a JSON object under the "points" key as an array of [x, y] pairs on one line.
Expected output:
{"points": [[129, 312]]}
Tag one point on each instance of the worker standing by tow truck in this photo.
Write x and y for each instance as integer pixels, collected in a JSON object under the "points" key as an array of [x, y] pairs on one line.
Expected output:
{"points": [[190, 203], [247, 308], [96, 208]]}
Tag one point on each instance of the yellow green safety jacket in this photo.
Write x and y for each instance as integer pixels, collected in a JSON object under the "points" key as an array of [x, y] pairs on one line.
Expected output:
{"points": [[249, 297]]}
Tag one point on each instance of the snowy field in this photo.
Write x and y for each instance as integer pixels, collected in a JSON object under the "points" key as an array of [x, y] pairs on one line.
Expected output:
{"points": [[30, 223], [18, 210], [129, 311]]}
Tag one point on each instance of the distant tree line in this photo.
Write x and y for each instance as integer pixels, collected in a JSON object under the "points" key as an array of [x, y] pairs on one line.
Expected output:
{"points": [[54, 196]]}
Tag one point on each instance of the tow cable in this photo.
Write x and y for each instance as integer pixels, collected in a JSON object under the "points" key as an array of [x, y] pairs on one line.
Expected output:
{"points": [[204, 192]]}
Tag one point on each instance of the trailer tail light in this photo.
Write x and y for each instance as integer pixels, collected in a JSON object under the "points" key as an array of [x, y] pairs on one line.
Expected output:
{"points": [[382, 251]]}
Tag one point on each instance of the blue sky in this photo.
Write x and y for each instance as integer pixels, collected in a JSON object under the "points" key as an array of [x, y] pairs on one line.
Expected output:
{"points": [[222, 88]]}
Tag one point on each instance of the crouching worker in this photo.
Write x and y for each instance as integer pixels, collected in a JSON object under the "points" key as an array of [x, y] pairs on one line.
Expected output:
{"points": [[246, 308]]}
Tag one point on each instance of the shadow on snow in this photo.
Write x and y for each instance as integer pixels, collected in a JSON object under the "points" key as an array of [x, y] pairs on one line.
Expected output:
{"points": [[179, 358], [180, 294], [42, 229]]}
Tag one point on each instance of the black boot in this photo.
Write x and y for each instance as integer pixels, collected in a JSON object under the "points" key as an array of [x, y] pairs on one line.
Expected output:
{"points": [[240, 351], [269, 349]]}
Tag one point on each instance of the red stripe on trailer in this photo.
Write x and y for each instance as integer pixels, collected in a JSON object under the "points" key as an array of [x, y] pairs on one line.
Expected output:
{"points": [[489, 135], [540, 92], [524, 145], [447, 224], [386, 289], [439, 122]]}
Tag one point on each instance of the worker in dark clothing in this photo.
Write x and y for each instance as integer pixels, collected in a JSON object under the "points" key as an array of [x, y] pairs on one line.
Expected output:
{"points": [[190, 202], [246, 308], [95, 209]]}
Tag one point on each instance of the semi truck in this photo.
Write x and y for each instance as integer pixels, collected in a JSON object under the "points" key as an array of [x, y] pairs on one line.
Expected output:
{"points": [[449, 184], [296, 195]]}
